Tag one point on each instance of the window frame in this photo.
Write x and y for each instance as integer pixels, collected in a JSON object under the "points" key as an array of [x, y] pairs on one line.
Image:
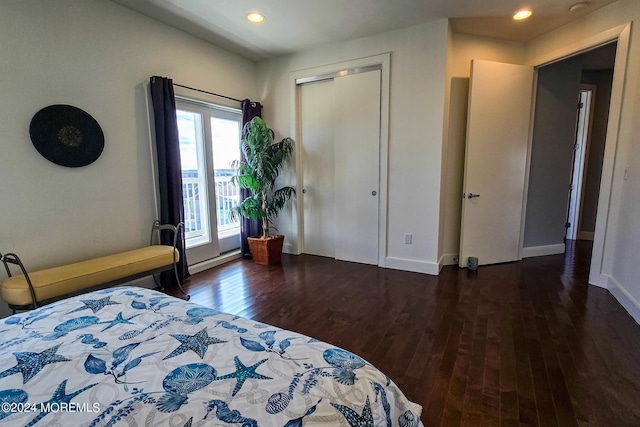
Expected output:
{"points": [[202, 249]]}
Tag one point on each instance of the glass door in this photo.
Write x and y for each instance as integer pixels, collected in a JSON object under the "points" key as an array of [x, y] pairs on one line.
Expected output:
{"points": [[225, 139], [209, 142]]}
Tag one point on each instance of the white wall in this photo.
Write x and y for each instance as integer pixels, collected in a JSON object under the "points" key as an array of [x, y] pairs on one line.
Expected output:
{"points": [[93, 55], [417, 94]]}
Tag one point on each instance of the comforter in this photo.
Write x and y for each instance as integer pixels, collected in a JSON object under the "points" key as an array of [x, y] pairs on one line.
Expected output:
{"points": [[133, 356]]}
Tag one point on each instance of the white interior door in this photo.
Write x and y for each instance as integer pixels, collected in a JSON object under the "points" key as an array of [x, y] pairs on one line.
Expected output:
{"points": [[341, 169], [356, 136], [316, 113], [579, 157], [500, 98]]}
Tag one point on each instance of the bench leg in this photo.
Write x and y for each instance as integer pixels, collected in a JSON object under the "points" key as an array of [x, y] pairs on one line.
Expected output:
{"points": [[161, 288], [175, 271], [176, 230], [14, 259]]}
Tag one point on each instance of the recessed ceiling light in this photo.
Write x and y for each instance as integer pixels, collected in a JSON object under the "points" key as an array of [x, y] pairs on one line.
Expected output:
{"points": [[578, 6], [522, 14], [255, 17]]}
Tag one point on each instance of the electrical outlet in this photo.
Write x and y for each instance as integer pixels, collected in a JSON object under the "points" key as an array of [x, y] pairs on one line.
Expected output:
{"points": [[408, 238]]}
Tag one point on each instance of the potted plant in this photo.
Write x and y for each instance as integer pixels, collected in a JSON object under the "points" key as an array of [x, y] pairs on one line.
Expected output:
{"points": [[257, 173]]}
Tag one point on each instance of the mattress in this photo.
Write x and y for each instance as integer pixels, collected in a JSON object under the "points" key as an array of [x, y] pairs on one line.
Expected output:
{"points": [[133, 356]]}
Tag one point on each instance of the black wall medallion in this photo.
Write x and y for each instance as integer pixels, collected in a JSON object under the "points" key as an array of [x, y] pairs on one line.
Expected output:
{"points": [[66, 136]]}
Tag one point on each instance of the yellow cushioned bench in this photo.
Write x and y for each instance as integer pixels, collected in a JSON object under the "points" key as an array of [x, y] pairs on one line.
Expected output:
{"points": [[53, 282], [27, 289]]}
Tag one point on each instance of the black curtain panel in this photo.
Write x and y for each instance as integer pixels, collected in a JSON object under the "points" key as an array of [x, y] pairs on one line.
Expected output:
{"points": [[249, 227], [169, 170]]}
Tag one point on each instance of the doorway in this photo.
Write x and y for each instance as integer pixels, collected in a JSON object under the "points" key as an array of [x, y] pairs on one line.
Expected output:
{"points": [[209, 142], [602, 257], [556, 193]]}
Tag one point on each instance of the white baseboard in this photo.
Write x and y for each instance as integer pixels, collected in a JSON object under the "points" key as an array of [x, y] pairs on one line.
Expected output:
{"points": [[543, 250], [448, 259], [413, 265], [625, 299], [222, 259], [585, 235]]}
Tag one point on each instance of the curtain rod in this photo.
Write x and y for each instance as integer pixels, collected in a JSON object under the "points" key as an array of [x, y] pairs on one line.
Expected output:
{"points": [[209, 93]]}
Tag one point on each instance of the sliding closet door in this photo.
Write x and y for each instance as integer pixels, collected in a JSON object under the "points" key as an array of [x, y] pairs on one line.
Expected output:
{"points": [[356, 138], [316, 112], [340, 120]]}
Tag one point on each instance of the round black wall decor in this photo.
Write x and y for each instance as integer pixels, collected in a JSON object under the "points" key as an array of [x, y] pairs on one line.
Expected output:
{"points": [[66, 135]]}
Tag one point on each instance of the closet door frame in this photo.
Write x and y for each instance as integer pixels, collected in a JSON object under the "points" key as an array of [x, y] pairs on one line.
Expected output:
{"points": [[296, 77]]}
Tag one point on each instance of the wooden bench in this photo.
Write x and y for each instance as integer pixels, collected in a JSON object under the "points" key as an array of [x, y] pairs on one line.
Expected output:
{"points": [[28, 290]]}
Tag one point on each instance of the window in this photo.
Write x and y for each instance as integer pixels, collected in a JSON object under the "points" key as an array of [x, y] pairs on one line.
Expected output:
{"points": [[209, 143]]}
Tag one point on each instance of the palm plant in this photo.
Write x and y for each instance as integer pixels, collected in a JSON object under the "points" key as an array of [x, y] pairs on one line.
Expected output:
{"points": [[258, 172]]}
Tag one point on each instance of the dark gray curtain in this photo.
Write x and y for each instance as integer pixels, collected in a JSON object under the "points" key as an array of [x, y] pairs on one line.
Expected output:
{"points": [[249, 227], [169, 170]]}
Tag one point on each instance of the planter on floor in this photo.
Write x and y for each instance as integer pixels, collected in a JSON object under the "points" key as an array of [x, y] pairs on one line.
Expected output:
{"points": [[266, 251]]}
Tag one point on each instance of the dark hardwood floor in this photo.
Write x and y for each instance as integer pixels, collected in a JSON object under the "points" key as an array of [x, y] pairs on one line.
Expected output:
{"points": [[526, 343]]}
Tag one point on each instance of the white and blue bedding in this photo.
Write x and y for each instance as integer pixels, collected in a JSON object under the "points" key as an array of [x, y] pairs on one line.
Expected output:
{"points": [[132, 356]]}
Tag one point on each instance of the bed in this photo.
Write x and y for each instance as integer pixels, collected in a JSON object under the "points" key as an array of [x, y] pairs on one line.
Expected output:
{"points": [[133, 356]]}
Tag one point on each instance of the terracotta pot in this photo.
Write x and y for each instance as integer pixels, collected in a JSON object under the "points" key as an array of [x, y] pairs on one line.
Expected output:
{"points": [[266, 251]]}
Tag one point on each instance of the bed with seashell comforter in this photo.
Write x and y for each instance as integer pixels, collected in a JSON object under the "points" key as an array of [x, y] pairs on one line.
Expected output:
{"points": [[132, 356]]}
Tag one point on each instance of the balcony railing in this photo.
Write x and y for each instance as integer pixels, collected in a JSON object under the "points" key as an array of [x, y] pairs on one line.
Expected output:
{"points": [[227, 197], [193, 225]]}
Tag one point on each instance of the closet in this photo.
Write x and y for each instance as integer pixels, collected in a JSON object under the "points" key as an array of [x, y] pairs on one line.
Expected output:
{"points": [[340, 143]]}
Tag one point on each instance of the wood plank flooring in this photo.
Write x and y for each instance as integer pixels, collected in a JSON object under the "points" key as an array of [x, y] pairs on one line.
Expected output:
{"points": [[526, 343]]}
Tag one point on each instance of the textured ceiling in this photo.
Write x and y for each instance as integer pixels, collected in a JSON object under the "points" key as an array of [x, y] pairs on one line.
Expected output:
{"points": [[295, 25]]}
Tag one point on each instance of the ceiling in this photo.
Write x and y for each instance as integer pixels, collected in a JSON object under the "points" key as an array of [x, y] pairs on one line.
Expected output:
{"points": [[295, 25]]}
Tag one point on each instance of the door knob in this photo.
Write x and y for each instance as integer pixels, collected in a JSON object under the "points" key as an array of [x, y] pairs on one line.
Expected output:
{"points": [[471, 196], [374, 193], [304, 191]]}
